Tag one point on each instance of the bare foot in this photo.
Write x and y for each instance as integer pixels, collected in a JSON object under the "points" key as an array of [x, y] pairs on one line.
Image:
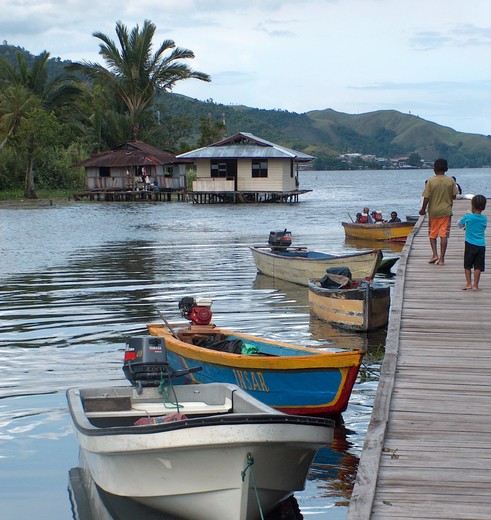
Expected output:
{"points": [[467, 287], [434, 260], [476, 289], [441, 262]]}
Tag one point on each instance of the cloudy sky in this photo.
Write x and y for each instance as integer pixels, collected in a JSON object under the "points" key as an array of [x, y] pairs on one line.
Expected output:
{"points": [[430, 58]]}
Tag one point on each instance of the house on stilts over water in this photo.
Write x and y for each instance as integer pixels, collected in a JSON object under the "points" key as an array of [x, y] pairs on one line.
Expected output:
{"points": [[133, 171], [246, 168]]}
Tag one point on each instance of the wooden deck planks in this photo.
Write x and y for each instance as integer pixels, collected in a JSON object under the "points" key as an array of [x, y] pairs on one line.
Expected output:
{"points": [[427, 454]]}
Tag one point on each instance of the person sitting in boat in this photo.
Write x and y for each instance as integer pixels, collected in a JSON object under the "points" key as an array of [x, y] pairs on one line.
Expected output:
{"points": [[394, 217], [358, 218], [377, 217], [366, 218]]}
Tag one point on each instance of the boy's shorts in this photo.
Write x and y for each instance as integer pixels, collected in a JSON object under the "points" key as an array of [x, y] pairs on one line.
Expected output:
{"points": [[474, 256], [439, 227]]}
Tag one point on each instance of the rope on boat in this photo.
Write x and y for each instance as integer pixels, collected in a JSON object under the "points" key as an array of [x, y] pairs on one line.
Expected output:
{"points": [[164, 390], [250, 463]]}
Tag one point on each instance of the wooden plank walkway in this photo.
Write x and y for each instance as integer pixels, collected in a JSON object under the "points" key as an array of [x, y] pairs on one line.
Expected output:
{"points": [[427, 453]]}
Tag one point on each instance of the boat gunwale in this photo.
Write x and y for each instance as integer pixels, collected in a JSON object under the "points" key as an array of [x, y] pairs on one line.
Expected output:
{"points": [[329, 256], [83, 424], [381, 225], [372, 287], [314, 360]]}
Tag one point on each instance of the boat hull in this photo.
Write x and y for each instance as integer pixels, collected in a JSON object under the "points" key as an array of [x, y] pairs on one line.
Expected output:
{"points": [[293, 379], [383, 231], [363, 308], [201, 467], [300, 265]]}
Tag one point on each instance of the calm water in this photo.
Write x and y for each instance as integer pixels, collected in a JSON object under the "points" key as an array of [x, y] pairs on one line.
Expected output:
{"points": [[78, 278]]}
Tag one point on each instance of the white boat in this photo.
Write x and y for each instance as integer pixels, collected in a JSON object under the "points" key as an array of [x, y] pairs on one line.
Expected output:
{"points": [[194, 451], [90, 502], [299, 264]]}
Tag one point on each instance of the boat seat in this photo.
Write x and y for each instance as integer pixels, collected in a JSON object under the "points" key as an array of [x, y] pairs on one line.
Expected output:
{"points": [[159, 408]]}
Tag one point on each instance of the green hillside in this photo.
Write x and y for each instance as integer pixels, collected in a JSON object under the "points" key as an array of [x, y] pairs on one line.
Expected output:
{"points": [[407, 133], [323, 133], [327, 133]]}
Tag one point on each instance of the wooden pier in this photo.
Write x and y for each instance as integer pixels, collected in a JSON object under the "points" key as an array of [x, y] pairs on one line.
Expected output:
{"points": [[427, 453], [133, 195], [196, 197], [241, 197]]}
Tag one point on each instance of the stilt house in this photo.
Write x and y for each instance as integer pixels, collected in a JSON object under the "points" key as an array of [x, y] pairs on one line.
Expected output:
{"points": [[134, 166], [246, 168]]}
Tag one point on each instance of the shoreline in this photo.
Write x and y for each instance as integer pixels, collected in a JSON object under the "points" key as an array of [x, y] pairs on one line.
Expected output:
{"points": [[41, 202]]}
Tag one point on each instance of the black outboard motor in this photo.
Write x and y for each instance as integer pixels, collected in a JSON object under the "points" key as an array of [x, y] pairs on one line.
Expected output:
{"points": [[280, 240], [146, 364], [145, 358]]}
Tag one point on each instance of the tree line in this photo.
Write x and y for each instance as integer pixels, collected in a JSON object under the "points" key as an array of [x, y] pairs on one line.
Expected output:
{"points": [[49, 123]]}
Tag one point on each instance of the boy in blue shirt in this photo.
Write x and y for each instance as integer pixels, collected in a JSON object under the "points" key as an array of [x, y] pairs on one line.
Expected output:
{"points": [[475, 245]]}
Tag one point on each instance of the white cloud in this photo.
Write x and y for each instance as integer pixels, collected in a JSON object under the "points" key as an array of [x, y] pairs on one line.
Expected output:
{"points": [[430, 58]]}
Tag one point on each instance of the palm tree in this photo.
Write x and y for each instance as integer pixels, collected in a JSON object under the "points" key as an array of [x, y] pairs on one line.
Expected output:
{"points": [[134, 73], [16, 101], [24, 88], [52, 93]]}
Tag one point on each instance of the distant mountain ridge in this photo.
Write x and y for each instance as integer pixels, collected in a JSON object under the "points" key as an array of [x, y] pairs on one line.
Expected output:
{"points": [[327, 133]]}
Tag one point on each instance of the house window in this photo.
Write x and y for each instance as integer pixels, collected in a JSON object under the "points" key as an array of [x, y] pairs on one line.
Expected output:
{"points": [[259, 168], [218, 169], [104, 171]]}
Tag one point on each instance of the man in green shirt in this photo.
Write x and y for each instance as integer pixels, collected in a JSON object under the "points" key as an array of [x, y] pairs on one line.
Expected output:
{"points": [[438, 196]]}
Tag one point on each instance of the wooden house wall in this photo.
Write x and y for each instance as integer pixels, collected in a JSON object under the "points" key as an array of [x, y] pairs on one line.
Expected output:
{"points": [[176, 181], [125, 178], [203, 168], [116, 181], [278, 179]]}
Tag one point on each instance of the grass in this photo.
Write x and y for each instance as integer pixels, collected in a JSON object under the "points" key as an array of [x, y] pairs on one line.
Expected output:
{"points": [[18, 195]]}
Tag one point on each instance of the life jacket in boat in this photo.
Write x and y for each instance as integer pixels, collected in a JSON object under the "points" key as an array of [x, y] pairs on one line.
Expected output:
{"points": [[364, 219]]}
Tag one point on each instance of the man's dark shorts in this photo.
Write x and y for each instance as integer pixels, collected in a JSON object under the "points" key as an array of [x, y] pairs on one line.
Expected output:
{"points": [[474, 256]]}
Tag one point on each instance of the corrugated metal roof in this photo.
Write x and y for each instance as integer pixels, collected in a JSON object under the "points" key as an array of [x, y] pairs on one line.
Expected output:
{"points": [[245, 145], [134, 153]]}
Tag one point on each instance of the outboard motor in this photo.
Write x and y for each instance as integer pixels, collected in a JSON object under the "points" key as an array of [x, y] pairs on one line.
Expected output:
{"points": [[280, 240], [145, 358], [196, 310], [146, 364]]}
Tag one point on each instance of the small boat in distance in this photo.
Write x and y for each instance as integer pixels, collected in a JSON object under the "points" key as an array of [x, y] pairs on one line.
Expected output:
{"points": [[290, 378], [380, 231], [193, 451], [299, 264], [360, 306]]}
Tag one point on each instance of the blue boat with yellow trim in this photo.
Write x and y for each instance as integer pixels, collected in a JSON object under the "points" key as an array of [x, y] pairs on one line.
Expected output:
{"points": [[291, 378]]}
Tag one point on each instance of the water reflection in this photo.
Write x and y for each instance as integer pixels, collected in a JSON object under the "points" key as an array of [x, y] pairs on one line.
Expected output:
{"points": [[389, 248], [334, 470], [90, 502]]}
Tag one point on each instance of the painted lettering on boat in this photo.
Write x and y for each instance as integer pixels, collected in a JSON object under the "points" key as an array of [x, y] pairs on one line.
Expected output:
{"points": [[250, 380]]}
